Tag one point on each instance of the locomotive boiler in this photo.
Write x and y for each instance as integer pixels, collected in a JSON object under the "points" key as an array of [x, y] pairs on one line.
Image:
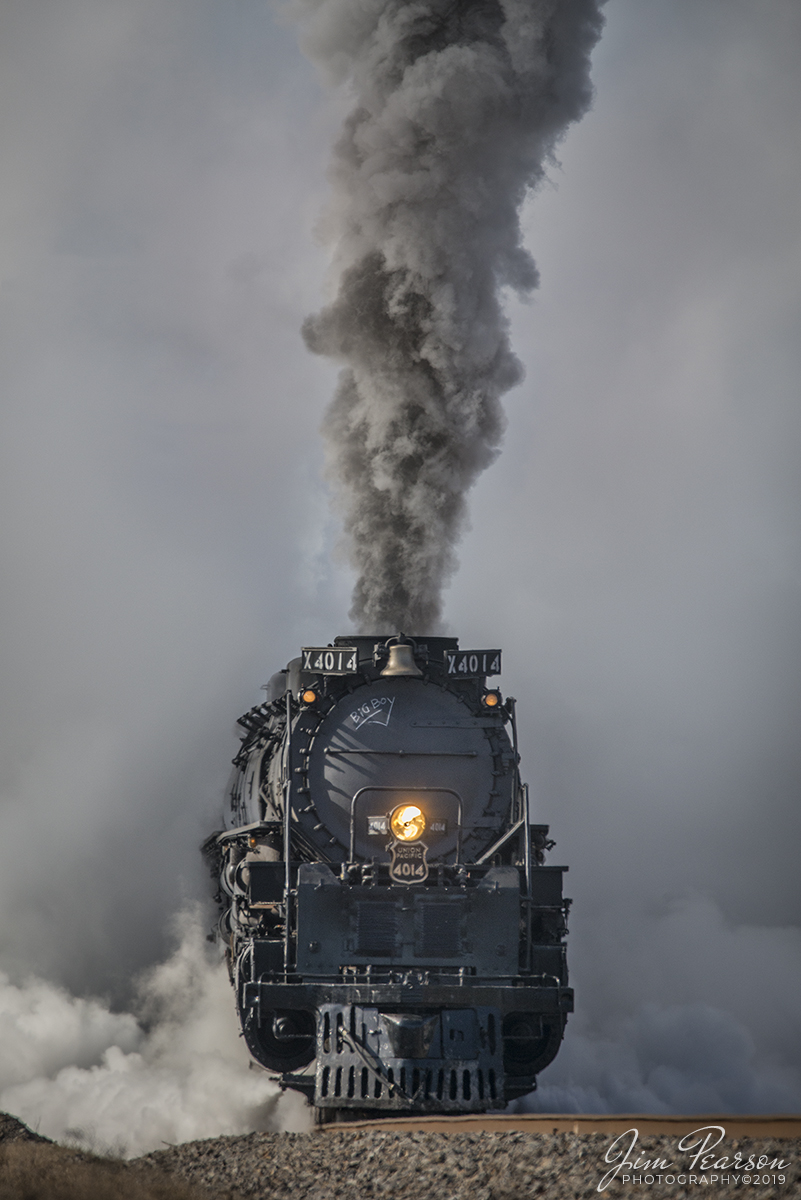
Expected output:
{"points": [[395, 940]]}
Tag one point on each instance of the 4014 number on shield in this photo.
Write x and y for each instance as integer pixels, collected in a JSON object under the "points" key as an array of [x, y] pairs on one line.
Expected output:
{"points": [[409, 863]]}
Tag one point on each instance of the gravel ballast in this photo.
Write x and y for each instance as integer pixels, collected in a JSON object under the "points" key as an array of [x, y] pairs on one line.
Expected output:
{"points": [[373, 1164], [334, 1164]]}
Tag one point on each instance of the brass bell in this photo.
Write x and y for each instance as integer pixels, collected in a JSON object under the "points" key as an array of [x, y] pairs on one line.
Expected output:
{"points": [[401, 661]]}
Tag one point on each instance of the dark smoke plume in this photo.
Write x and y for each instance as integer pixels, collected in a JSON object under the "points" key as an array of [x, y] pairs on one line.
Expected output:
{"points": [[458, 107]]}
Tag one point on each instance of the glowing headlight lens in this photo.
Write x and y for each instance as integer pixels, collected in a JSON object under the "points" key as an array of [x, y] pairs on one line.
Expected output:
{"points": [[407, 823]]}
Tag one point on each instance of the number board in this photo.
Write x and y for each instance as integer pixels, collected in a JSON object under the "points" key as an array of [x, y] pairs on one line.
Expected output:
{"points": [[472, 664], [330, 660]]}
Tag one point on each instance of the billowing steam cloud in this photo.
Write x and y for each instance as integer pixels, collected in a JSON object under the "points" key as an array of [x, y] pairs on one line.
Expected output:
{"points": [[79, 1072], [459, 104]]}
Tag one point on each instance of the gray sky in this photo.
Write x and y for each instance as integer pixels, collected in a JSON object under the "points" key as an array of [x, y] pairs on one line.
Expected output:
{"points": [[635, 550]]}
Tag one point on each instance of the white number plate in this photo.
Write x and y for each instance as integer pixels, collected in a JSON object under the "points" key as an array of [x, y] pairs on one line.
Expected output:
{"points": [[330, 660], [472, 664]]}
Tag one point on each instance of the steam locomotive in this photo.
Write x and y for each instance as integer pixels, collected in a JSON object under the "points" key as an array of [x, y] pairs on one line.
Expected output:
{"points": [[394, 939]]}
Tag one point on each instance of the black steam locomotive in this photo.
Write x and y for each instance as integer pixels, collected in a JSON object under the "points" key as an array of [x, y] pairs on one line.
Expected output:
{"points": [[394, 939]]}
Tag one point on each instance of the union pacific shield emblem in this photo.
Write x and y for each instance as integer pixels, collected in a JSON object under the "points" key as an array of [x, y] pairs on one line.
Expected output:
{"points": [[409, 863]]}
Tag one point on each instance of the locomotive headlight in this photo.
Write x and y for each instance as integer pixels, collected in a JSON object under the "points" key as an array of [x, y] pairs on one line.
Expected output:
{"points": [[407, 822]]}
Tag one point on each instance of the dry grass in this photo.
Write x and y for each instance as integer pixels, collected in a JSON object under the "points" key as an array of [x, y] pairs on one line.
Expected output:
{"points": [[40, 1171]]}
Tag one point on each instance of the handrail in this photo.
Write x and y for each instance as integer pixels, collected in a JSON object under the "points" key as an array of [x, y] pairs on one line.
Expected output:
{"points": [[527, 859], [415, 790], [521, 793], [287, 833], [411, 754], [502, 840]]}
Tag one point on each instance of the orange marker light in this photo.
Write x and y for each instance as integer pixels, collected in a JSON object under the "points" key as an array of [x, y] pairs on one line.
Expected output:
{"points": [[490, 700], [407, 823], [309, 696]]}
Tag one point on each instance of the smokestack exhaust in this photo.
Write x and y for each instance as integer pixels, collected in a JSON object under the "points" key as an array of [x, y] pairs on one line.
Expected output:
{"points": [[458, 107]]}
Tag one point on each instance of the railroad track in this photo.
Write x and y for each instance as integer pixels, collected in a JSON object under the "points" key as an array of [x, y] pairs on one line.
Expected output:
{"points": [[736, 1125]]}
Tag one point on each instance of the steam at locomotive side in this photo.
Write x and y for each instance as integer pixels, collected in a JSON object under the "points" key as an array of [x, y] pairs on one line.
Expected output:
{"points": [[394, 939]]}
